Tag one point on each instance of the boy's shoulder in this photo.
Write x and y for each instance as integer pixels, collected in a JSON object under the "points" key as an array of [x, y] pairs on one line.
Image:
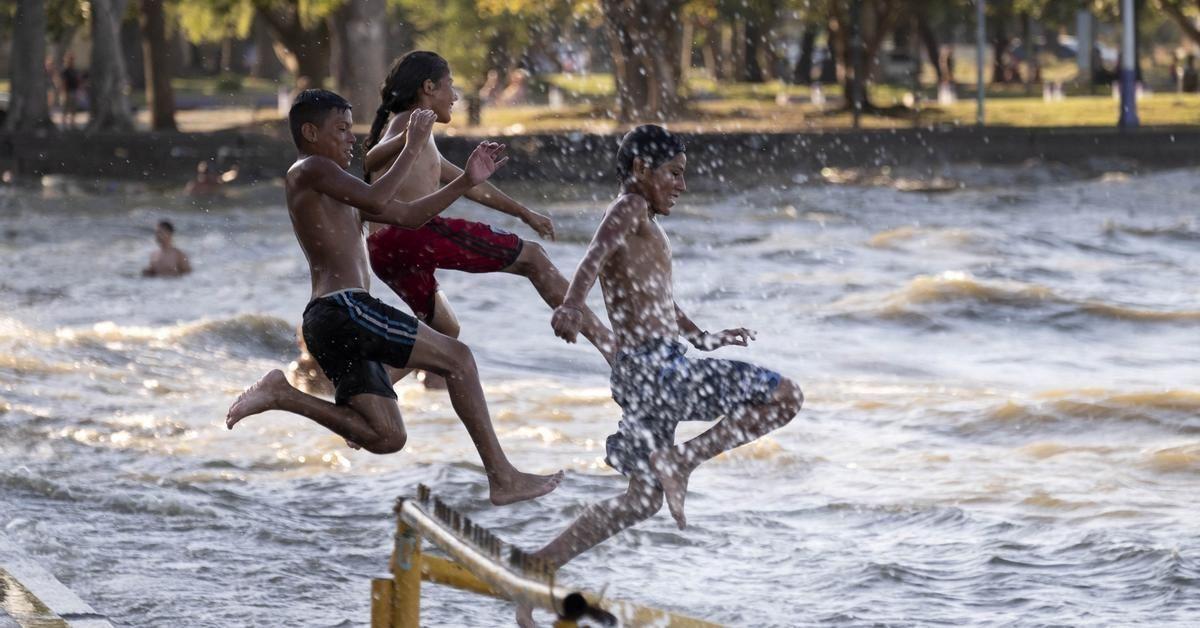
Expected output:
{"points": [[629, 209], [306, 167], [629, 205], [398, 124]]}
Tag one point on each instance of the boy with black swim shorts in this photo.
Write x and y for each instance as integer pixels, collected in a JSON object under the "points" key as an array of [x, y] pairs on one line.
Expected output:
{"points": [[353, 336], [653, 380]]}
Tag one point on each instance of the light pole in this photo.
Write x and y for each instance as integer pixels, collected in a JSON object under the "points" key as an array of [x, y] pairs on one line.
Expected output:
{"points": [[1128, 75], [980, 42]]}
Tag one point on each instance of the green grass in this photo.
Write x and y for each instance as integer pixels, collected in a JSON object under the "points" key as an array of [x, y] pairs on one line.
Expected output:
{"points": [[735, 107], [756, 114]]}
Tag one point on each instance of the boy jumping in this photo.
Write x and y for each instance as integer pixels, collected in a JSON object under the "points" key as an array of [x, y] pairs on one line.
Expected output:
{"points": [[406, 259], [655, 384], [353, 335]]}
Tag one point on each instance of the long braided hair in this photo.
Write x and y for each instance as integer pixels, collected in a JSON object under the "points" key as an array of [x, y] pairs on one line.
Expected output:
{"points": [[399, 90]]}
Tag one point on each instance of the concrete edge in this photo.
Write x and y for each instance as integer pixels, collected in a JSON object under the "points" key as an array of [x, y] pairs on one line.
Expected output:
{"points": [[44, 589]]}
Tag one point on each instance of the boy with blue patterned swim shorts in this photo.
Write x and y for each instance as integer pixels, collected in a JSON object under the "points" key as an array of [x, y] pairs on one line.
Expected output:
{"points": [[653, 380]]}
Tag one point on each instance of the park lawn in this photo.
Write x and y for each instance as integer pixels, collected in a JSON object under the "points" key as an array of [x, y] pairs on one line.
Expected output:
{"points": [[744, 115], [1083, 111]]}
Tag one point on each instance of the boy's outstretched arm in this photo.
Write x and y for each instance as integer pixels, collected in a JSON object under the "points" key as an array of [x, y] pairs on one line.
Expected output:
{"points": [[396, 138], [705, 341], [489, 195], [328, 178], [483, 162], [621, 219], [377, 203]]}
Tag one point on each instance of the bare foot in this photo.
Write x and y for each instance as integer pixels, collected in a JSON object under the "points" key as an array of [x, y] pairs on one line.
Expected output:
{"points": [[522, 486], [674, 482], [258, 398], [525, 616]]}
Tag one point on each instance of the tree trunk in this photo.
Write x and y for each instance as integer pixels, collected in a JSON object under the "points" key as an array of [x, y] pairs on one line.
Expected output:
{"points": [[160, 98], [884, 14], [1174, 8], [802, 75], [303, 51], [356, 31], [1000, 71], [711, 52], [645, 57], [28, 107], [687, 45], [107, 79], [737, 50], [266, 65], [727, 57], [753, 45], [930, 42], [1033, 66]]}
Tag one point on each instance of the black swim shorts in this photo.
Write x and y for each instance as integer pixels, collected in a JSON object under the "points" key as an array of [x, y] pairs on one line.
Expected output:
{"points": [[352, 335], [657, 387]]}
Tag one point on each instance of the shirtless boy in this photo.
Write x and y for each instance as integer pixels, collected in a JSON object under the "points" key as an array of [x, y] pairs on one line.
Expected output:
{"points": [[405, 259], [167, 261], [655, 384], [353, 335]]}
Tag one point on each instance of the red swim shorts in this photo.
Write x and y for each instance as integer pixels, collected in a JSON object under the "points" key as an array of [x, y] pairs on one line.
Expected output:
{"points": [[405, 259]]}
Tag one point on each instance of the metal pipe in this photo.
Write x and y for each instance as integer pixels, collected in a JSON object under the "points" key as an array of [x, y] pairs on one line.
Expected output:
{"points": [[980, 44], [1128, 77], [483, 572], [517, 588]]}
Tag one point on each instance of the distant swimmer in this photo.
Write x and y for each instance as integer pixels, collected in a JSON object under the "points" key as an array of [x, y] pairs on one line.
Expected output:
{"points": [[353, 335], [208, 183], [656, 385], [167, 261], [407, 259]]}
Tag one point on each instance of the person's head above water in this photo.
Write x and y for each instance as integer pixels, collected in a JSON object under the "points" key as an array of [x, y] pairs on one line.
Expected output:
{"points": [[651, 162], [321, 124], [164, 232]]}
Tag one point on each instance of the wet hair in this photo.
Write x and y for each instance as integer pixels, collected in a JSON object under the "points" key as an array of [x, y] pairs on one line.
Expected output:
{"points": [[399, 90], [166, 225], [652, 143], [312, 106]]}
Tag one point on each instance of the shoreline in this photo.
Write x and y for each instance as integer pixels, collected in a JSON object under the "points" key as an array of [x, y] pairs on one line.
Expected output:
{"points": [[578, 157]]}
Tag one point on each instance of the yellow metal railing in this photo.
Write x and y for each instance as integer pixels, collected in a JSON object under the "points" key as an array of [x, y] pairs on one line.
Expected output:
{"points": [[476, 563]]}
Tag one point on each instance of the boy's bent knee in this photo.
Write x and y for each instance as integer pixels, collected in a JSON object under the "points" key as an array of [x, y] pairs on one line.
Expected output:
{"points": [[789, 396], [388, 444], [533, 258], [458, 355], [643, 502]]}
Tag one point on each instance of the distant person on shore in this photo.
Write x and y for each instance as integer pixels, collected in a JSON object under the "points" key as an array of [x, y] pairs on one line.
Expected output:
{"points": [[407, 259], [491, 87], [656, 385], [1189, 81], [353, 335], [71, 82], [517, 90], [167, 261]]}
